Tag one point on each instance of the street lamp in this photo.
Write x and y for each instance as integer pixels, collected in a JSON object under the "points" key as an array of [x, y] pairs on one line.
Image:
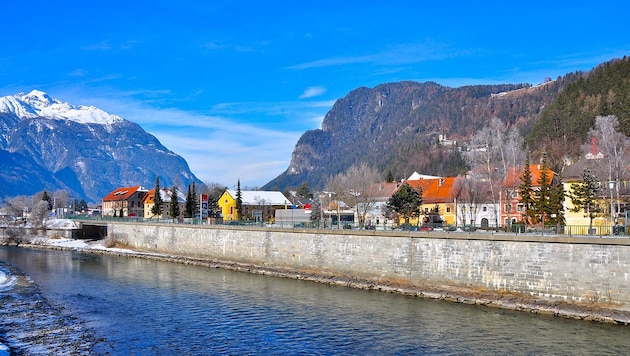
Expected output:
{"points": [[330, 194], [611, 186]]}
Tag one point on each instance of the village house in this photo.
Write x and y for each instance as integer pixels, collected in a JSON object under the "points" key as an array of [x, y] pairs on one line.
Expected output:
{"points": [[256, 205], [380, 194], [512, 210], [165, 195], [438, 201], [474, 204], [124, 201]]}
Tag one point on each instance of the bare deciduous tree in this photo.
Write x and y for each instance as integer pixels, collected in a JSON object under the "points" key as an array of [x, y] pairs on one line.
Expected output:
{"points": [[613, 145], [353, 188], [493, 150]]}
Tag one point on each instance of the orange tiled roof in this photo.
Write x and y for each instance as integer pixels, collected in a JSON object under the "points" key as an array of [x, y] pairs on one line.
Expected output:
{"points": [[439, 190], [122, 193], [513, 178]]}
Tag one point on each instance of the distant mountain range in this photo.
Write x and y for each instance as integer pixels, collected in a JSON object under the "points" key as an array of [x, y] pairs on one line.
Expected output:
{"points": [[47, 144]]}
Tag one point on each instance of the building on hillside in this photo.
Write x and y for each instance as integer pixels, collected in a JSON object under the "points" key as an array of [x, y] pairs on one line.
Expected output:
{"points": [[124, 201], [256, 205], [165, 195], [438, 201]]}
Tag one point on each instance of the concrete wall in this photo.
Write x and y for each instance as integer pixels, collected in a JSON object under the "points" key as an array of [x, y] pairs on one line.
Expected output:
{"points": [[571, 269]]}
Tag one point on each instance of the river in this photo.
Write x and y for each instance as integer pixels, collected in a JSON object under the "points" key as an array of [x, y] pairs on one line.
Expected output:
{"points": [[132, 306]]}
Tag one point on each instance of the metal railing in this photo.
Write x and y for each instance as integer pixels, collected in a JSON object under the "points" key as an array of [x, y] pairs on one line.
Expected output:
{"points": [[601, 231]]}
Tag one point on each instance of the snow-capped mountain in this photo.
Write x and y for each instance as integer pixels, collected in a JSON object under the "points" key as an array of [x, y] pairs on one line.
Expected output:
{"points": [[39, 104], [49, 144]]}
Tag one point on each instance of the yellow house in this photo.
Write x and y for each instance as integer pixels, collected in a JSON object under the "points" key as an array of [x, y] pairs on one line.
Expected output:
{"points": [[256, 205], [166, 196], [438, 202], [578, 222]]}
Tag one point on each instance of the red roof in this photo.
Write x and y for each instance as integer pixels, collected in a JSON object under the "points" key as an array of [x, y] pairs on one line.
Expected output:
{"points": [[513, 178], [120, 194]]}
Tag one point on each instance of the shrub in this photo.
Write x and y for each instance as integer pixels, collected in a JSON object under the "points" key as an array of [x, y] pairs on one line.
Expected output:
{"points": [[109, 242]]}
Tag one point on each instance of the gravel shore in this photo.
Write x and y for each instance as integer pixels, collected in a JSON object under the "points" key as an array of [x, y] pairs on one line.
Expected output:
{"points": [[32, 325]]}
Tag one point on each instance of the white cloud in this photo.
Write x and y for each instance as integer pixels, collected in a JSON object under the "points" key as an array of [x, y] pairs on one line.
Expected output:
{"points": [[311, 92]]}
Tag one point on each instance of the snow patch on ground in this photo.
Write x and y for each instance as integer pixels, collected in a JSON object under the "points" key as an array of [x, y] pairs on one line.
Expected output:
{"points": [[6, 281]]}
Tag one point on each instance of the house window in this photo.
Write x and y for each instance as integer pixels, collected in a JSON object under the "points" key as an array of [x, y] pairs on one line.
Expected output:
{"points": [[436, 209], [515, 194], [485, 208], [448, 209], [520, 208], [426, 210], [508, 207]]}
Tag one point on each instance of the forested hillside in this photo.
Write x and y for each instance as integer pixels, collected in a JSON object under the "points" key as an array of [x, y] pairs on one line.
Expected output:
{"points": [[563, 126]]}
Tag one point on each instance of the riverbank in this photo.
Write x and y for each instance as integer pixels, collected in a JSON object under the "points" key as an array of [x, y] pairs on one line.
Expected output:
{"points": [[511, 301], [31, 324]]}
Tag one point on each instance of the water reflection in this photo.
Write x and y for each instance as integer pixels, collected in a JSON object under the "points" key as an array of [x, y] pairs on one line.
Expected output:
{"points": [[149, 307]]}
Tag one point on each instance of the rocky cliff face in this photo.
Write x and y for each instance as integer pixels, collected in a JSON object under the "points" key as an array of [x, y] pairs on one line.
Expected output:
{"points": [[49, 144]]}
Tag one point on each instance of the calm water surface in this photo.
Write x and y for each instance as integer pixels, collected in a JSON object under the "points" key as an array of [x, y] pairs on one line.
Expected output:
{"points": [[142, 307]]}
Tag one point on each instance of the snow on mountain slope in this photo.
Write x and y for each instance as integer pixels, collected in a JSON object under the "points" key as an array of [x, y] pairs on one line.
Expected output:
{"points": [[39, 104]]}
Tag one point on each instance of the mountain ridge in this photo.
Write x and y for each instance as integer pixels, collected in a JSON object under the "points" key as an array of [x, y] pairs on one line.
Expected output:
{"points": [[82, 149], [395, 127]]}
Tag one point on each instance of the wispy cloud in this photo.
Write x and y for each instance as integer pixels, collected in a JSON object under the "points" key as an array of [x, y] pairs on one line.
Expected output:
{"points": [[220, 45], [312, 92], [392, 55], [334, 61], [101, 46]]}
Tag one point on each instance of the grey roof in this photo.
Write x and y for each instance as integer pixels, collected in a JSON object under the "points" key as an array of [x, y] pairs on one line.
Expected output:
{"points": [[261, 197]]}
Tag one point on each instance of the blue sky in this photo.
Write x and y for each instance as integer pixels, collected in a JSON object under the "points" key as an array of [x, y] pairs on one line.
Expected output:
{"points": [[232, 85]]}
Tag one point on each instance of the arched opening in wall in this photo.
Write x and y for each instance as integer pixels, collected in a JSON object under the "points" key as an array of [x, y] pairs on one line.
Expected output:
{"points": [[484, 223]]}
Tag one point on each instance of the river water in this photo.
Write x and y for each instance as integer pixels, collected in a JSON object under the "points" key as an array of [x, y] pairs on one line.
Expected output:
{"points": [[132, 306]]}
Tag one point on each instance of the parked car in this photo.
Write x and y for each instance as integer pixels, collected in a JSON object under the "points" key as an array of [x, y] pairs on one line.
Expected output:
{"points": [[426, 228]]}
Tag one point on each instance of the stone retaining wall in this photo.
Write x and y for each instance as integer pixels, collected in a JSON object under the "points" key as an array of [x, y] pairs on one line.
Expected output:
{"points": [[575, 270]]}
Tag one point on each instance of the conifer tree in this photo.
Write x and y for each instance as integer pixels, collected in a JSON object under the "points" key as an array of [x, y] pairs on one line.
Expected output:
{"points": [[525, 191], [542, 202], [46, 198], [556, 199], [156, 210], [390, 177], [195, 202], [173, 209], [406, 202], [239, 200], [189, 203]]}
